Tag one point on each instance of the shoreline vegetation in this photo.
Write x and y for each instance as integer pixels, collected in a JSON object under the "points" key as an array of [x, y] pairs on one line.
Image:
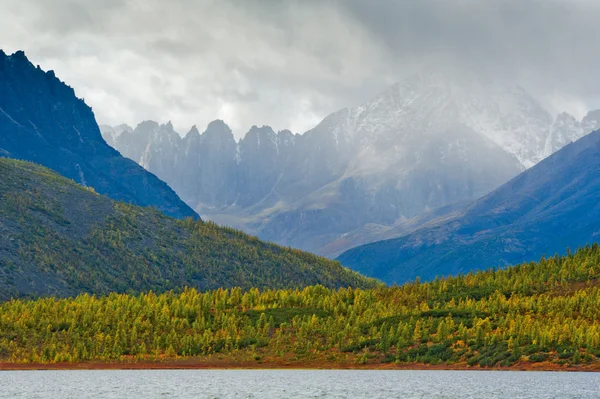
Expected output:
{"points": [[534, 316], [277, 364]]}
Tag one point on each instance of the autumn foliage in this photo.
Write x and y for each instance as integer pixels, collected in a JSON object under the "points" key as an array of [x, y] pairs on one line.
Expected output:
{"points": [[539, 312]]}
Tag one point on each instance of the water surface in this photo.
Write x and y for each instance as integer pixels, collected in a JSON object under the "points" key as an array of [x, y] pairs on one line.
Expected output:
{"points": [[296, 384]]}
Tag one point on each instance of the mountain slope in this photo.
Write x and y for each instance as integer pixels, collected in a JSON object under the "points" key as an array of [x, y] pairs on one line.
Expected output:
{"points": [[41, 120], [552, 206], [534, 316], [427, 142], [59, 238]]}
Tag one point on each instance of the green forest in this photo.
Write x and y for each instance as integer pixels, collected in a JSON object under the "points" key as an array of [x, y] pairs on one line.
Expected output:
{"points": [[59, 238], [545, 312]]}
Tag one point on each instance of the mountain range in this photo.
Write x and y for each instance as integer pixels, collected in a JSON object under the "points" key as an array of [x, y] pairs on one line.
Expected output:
{"points": [[41, 120], [400, 172], [541, 212], [363, 173]]}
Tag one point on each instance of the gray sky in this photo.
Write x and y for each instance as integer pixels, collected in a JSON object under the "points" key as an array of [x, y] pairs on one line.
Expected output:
{"points": [[290, 63]]}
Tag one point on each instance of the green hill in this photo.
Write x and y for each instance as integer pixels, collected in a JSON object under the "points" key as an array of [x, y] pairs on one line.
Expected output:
{"points": [[537, 315], [58, 238]]}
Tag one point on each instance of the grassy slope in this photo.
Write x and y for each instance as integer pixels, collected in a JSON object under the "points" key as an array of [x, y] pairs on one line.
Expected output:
{"points": [[59, 238], [539, 315]]}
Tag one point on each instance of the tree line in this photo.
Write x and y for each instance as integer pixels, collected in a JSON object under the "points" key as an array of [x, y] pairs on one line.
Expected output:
{"points": [[548, 311]]}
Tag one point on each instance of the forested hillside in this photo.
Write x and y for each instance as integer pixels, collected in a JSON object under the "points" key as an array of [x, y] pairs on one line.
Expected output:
{"points": [[538, 314], [62, 239]]}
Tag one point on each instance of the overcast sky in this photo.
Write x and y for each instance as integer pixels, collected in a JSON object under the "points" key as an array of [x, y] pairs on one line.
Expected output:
{"points": [[290, 63]]}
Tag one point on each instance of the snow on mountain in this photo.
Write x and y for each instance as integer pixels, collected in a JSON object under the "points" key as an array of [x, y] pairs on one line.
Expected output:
{"points": [[425, 103], [567, 129]]}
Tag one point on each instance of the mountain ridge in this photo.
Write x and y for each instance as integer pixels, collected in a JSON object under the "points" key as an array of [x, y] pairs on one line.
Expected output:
{"points": [[42, 120], [545, 209]]}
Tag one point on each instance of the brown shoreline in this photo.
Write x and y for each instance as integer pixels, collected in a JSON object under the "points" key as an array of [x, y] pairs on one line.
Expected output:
{"points": [[191, 364]]}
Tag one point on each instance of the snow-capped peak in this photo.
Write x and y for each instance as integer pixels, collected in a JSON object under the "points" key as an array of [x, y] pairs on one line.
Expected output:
{"points": [[430, 102]]}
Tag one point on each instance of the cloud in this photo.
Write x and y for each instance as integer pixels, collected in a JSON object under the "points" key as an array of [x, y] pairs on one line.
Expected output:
{"points": [[547, 45], [289, 64]]}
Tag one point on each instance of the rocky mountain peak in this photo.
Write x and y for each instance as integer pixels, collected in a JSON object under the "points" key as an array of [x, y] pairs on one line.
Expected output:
{"points": [[219, 126], [566, 129], [218, 131], [193, 131], [21, 82], [119, 129], [285, 138], [20, 54], [147, 127], [260, 137], [565, 118], [591, 121], [168, 131], [42, 120]]}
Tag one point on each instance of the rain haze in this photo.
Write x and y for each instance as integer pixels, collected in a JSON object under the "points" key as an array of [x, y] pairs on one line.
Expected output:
{"points": [[289, 64]]}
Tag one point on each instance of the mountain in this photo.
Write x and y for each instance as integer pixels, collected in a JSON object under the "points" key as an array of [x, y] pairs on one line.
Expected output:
{"points": [[59, 238], [552, 206], [41, 120], [111, 134], [364, 172]]}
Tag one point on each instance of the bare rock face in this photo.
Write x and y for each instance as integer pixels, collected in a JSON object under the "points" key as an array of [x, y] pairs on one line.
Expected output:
{"points": [[208, 166], [424, 143], [41, 120]]}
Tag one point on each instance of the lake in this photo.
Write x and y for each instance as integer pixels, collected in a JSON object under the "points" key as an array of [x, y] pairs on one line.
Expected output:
{"points": [[296, 384]]}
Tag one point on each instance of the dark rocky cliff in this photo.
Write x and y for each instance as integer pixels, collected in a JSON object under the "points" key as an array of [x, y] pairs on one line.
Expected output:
{"points": [[42, 120]]}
